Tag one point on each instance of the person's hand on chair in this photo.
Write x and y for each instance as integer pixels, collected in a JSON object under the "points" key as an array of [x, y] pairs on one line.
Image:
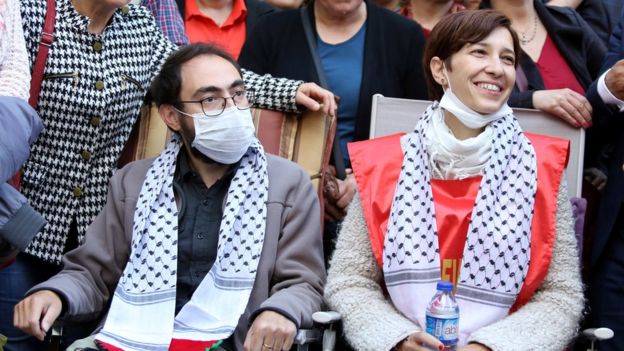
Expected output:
{"points": [[36, 313], [314, 98], [595, 177], [566, 104], [270, 331], [336, 205]]}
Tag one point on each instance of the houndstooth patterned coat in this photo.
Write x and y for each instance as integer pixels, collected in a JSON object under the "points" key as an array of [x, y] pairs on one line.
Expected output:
{"points": [[91, 95]]}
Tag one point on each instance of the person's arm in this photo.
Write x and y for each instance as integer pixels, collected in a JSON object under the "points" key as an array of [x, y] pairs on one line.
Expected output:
{"points": [[14, 70], [608, 89], [610, 86], [19, 128], [272, 93], [161, 48], [566, 104], [91, 271], [282, 94], [353, 288], [521, 99], [549, 320], [298, 276], [299, 273], [168, 19], [19, 222]]}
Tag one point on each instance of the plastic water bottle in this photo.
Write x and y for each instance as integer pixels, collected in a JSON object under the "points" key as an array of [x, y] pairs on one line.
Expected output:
{"points": [[443, 316]]}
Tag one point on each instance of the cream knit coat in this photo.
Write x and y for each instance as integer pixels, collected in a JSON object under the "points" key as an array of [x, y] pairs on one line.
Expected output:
{"points": [[14, 69], [547, 322]]}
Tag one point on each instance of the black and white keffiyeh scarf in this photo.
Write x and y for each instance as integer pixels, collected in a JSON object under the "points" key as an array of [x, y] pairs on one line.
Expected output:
{"points": [[141, 316], [497, 248]]}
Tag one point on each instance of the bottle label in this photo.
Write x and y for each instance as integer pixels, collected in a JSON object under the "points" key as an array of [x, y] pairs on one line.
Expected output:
{"points": [[444, 329]]}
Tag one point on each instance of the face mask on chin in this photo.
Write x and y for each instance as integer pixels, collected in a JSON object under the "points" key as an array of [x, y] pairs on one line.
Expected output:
{"points": [[224, 138], [467, 116]]}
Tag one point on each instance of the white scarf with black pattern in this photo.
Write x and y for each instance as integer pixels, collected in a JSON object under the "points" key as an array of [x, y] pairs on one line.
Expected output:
{"points": [[141, 316], [451, 158], [497, 248]]}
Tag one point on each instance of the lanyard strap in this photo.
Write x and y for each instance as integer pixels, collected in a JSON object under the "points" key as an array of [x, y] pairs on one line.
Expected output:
{"points": [[311, 39]]}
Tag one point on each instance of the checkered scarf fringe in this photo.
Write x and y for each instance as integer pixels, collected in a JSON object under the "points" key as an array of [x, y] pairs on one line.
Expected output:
{"points": [[497, 248]]}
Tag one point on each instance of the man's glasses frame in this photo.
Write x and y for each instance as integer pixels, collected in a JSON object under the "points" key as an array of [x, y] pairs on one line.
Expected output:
{"points": [[242, 99]]}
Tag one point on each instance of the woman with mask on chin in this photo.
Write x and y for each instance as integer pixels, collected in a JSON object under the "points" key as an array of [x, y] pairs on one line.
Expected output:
{"points": [[468, 198]]}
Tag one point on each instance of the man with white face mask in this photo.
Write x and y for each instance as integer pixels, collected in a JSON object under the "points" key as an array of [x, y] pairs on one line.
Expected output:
{"points": [[203, 246]]}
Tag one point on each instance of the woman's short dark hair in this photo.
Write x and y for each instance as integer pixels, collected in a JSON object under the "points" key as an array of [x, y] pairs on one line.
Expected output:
{"points": [[165, 88], [457, 30]]}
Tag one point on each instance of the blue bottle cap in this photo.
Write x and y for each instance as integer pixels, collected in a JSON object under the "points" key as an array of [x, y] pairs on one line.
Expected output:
{"points": [[445, 286]]}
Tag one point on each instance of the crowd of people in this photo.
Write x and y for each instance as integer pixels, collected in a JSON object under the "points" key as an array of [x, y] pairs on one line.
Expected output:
{"points": [[215, 244]]}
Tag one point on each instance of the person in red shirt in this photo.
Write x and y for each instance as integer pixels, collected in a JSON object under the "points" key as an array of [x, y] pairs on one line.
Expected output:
{"points": [[466, 197], [222, 23]]}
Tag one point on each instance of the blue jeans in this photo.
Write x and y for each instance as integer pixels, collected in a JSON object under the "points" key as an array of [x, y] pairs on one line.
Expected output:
{"points": [[15, 280]]}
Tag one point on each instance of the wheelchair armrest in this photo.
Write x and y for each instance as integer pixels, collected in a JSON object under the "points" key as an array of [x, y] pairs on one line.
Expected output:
{"points": [[308, 336], [598, 334], [324, 333], [326, 317]]}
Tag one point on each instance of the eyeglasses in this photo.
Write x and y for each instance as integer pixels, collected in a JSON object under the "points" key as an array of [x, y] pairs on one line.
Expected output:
{"points": [[215, 105]]}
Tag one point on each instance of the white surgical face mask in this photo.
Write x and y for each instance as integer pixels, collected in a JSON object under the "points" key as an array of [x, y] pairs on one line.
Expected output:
{"points": [[224, 138], [469, 117]]}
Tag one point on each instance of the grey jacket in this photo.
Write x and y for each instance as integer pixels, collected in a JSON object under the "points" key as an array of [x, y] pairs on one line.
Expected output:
{"points": [[291, 272], [19, 127]]}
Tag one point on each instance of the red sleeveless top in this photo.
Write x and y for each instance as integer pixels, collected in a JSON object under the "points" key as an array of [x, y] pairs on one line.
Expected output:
{"points": [[377, 165]]}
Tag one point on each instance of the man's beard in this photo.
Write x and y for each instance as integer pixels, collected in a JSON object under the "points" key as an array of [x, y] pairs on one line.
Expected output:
{"points": [[188, 146], [198, 154]]}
